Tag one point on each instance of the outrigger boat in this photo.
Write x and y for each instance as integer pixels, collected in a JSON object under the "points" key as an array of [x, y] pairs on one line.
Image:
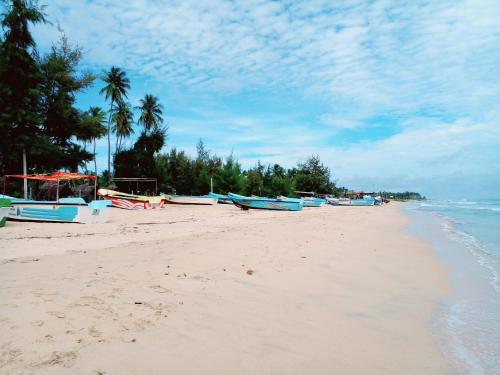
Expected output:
{"points": [[131, 201], [62, 210], [4, 210], [246, 203], [190, 199]]}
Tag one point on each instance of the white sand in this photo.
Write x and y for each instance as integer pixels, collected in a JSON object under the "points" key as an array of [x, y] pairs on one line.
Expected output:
{"points": [[335, 290]]}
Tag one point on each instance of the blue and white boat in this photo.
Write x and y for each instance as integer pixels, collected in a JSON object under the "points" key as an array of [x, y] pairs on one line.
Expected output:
{"points": [[366, 201], [62, 210], [65, 210], [306, 202], [222, 199], [246, 203], [199, 200], [4, 210]]}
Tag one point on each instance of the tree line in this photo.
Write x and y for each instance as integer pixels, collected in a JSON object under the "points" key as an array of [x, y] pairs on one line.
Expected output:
{"points": [[407, 195], [180, 173]]}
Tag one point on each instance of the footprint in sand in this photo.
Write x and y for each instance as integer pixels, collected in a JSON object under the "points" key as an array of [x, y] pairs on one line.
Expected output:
{"points": [[92, 300], [65, 359], [37, 323], [49, 338], [57, 314], [94, 332], [160, 289]]}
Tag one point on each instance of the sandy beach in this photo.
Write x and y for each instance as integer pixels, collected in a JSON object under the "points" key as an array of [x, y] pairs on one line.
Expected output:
{"points": [[216, 290]]}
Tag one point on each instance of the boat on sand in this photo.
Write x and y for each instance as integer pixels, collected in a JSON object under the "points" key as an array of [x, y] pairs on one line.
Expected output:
{"points": [[366, 201], [222, 199], [190, 199], [61, 210], [64, 210], [306, 202], [4, 210], [246, 203], [131, 201]]}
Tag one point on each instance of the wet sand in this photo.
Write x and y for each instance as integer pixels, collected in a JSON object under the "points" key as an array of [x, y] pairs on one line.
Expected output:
{"points": [[216, 290]]}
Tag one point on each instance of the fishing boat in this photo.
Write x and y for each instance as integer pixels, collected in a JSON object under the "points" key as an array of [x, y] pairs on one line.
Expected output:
{"points": [[366, 201], [246, 203], [62, 210], [4, 210], [131, 201], [190, 199], [222, 199], [306, 202], [333, 201], [65, 210]]}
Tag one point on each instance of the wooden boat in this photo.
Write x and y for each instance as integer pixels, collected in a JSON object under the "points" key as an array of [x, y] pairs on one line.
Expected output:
{"points": [[190, 199], [5, 205], [64, 210], [246, 203], [366, 201], [222, 199], [131, 201]]}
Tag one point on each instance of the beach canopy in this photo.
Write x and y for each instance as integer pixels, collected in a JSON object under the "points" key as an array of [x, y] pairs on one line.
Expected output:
{"points": [[54, 177]]}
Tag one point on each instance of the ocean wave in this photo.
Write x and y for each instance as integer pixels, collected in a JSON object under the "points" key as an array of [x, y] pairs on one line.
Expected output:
{"points": [[462, 206], [485, 259]]}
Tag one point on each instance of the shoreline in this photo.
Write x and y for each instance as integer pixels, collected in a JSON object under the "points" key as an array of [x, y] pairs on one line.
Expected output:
{"points": [[466, 324], [219, 290]]}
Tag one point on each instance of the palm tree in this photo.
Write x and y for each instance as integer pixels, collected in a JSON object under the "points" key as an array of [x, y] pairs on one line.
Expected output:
{"points": [[93, 121], [117, 85], [151, 112], [123, 119]]}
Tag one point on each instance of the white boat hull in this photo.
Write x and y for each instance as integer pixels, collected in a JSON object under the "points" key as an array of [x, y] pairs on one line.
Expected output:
{"points": [[57, 212], [172, 199], [4, 211]]}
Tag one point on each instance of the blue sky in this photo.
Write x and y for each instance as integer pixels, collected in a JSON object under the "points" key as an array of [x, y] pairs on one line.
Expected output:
{"points": [[396, 95]]}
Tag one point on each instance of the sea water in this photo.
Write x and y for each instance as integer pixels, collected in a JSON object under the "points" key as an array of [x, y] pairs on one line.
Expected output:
{"points": [[466, 237]]}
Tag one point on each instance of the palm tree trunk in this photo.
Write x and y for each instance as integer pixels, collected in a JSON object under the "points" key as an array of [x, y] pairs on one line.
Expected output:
{"points": [[95, 161], [25, 172], [120, 144], [116, 148], [85, 149], [109, 137]]}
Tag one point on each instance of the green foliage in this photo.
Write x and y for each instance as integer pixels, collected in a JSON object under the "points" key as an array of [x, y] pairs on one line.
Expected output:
{"points": [[230, 178], [313, 176], [179, 173], [139, 161], [37, 97], [254, 183], [151, 116], [407, 195], [122, 120], [115, 90], [62, 122], [93, 128], [20, 80]]}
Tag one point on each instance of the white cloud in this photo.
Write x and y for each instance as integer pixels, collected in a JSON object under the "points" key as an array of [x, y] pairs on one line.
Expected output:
{"points": [[330, 120]]}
